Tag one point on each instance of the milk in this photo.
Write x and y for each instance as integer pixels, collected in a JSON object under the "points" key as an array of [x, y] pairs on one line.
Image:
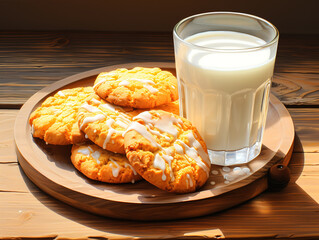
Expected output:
{"points": [[224, 92]]}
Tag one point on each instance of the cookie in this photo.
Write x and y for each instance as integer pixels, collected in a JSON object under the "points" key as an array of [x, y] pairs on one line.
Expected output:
{"points": [[138, 87], [104, 123], [102, 165], [55, 120], [172, 107], [167, 151]]}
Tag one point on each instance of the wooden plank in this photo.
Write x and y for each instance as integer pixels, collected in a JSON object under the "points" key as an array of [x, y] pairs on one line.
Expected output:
{"points": [[269, 215], [298, 54], [306, 121], [7, 149], [28, 212], [296, 88], [30, 61]]}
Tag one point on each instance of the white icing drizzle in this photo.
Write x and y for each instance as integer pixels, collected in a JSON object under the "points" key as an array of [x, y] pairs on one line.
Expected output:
{"points": [[95, 101], [193, 154], [124, 118], [160, 164], [124, 83], [189, 181], [96, 155], [164, 123], [84, 151], [155, 132], [88, 151], [195, 144], [169, 150], [147, 84], [150, 88], [141, 129], [169, 160], [92, 119], [116, 168], [99, 83], [121, 124], [130, 166], [86, 136], [110, 132], [90, 108], [179, 149], [142, 80], [145, 116], [60, 93], [104, 79], [108, 106]]}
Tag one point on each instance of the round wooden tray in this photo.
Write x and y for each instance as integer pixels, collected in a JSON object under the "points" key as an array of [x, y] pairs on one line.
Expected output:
{"points": [[50, 168]]}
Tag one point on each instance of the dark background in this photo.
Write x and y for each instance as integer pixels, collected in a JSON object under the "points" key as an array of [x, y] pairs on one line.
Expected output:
{"points": [[294, 16]]}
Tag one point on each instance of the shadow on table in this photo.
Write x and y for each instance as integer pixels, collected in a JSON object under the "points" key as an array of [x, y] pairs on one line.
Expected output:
{"points": [[271, 214]]}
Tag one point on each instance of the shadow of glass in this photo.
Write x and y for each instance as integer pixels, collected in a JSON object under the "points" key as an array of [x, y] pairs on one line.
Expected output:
{"points": [[296, 163]]}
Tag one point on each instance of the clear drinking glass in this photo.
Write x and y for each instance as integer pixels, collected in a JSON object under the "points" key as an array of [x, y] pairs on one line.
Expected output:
{"points": [[224, 64]]}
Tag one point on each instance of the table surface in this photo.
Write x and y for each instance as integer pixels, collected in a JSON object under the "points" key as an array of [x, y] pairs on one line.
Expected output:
{"points": [[31, 61]]}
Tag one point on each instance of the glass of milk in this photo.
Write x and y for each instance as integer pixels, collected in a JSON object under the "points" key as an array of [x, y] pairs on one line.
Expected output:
{"points": [[224, 64]]}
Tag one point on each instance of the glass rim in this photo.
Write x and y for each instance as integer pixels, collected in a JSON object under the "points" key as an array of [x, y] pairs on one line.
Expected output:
{"points": [[267, 44]]}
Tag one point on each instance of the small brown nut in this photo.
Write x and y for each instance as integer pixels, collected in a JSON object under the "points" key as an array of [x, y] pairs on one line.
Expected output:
{"points": [[279, 177]]}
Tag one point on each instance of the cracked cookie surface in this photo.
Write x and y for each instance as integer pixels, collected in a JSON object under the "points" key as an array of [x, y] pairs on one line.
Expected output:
{"points": [[138, 87], [55, 120], [105, 123], [167, 151], [102, 165]]}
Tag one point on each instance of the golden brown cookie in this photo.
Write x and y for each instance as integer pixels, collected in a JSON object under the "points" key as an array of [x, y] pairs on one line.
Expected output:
{"points": [[55, 120], [167, 151], [104, 123], [102, 165], [138, 87], [172, 107]]}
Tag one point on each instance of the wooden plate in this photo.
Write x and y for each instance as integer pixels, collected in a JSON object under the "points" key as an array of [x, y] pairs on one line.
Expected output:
{"points": [[50, 168]]}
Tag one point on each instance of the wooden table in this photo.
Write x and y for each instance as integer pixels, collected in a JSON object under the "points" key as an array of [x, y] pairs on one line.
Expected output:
{"points": [[30, 61]]}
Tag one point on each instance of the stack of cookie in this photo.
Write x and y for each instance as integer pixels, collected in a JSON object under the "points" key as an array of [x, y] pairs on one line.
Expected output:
{"points": [[126, 128]]}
